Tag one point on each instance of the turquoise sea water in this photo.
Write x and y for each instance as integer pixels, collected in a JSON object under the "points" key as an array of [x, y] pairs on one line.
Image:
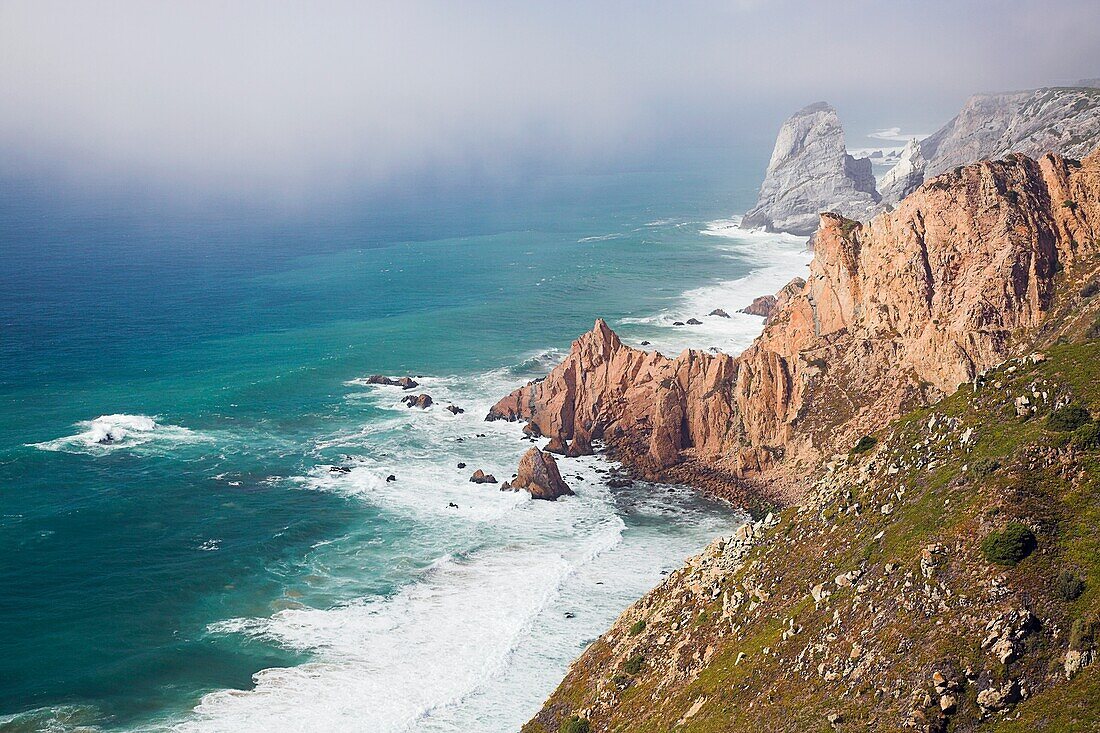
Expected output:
{"points": [[209, 547]]}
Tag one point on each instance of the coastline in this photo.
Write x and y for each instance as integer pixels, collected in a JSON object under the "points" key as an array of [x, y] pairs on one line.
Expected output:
{"points": [[547, 626]]}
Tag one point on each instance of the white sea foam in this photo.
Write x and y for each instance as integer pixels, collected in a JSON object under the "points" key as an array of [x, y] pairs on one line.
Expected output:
{"points": [[108, 433], [782, 257], [505, 590], [479, 639]]}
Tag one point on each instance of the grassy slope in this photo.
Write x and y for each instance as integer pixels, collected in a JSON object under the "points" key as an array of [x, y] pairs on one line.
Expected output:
{"points": [[867, 653]]}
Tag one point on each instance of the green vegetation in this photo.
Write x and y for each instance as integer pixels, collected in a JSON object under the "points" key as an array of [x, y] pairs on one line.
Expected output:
{"points": [[1009, 546], [637, 627], [1016, 472], [847, 226], [1069, 586], [574, 725], [984, 467], [1090, 289], [1069, 418], [1086, 437], [864, 444], [1082, 634], [1070, 204]]}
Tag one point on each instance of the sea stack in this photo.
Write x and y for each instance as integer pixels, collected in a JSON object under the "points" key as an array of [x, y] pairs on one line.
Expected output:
{"points": [[538, 474], [810, 172]]}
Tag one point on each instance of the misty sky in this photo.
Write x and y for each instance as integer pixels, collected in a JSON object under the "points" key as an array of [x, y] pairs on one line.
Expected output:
{"points": [[239, 93]]}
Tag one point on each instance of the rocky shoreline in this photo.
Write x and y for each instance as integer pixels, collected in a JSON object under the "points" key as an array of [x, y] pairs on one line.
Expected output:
{"points": [[980, 265]]}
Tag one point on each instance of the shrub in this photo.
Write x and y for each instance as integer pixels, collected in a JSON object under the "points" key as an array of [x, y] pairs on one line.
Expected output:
{"points": [[637, 627], [1068, 418], [1094, 330], [1082, 633], [984, 467], [1070, 204], [634, 664], [1010, 545], [1086, 437], [1090, 289], [864, 444], [574, 724], [1069, 586]]}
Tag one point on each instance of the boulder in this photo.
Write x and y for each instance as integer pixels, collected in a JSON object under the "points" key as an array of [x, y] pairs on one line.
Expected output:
{"points": [[480, 477], [402, 382], [538, 474], [454, 409], [694, 322], [719, 312], [422, 401]]}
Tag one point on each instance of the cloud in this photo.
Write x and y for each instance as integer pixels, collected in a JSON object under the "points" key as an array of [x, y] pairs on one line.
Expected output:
{"points": [[256, 93]]}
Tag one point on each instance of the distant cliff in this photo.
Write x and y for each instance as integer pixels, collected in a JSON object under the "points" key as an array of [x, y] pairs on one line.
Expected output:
{"points": [[811, 171], [1064, 120]]}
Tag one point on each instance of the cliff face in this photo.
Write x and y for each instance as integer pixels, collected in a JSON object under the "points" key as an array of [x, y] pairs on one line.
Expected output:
{"points": [[895, 313], [810, 171], [906, 175], [889, 599], [1063, 120]]}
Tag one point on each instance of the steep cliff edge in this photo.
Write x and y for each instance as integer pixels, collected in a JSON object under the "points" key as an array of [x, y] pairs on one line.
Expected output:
{"points": [[945, 578], [1064, 120], [895, 314], [810, 171]]}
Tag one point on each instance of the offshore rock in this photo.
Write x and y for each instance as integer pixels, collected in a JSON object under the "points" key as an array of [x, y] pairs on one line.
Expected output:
{"points": [[538, 474], [810, 171]]}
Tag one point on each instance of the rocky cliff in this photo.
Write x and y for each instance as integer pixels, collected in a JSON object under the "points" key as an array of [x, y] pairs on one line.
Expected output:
{"points": [[1063, 120], [943, 578], [810, 171], [895, 313]]}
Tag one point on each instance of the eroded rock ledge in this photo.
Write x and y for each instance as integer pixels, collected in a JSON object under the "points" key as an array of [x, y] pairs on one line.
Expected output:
{"points": [[894, 313]]}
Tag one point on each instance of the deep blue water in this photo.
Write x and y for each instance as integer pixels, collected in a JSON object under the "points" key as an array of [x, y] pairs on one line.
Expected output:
{"points": [[238, 332]]}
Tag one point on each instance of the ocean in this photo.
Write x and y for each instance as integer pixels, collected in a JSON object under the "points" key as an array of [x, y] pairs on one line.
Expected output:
{"points": [[179, 552]]}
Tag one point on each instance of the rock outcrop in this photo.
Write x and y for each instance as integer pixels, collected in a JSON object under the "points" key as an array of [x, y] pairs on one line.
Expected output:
{"points": [[538, 474], [811, 171], [402, 382], [761, 306], [836, 615], [895, 313], [1063, 120], [906, 175], [423, 401]]}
